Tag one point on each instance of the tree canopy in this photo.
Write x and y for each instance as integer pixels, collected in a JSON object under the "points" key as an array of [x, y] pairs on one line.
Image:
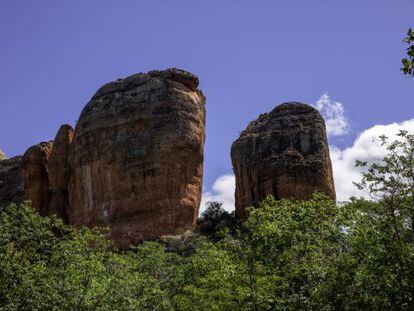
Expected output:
{"points": [[287, 255]]}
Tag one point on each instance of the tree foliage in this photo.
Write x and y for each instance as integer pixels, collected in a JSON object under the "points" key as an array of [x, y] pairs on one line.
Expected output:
{"points": [[408, 62], [381, 235], [215, 222]]}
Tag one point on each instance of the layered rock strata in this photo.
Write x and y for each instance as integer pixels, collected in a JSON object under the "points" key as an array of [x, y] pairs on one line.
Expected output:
{"points": [[283, 153]]}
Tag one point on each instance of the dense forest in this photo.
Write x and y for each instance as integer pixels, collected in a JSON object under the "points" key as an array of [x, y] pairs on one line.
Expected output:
{"points": [[287, 255]]}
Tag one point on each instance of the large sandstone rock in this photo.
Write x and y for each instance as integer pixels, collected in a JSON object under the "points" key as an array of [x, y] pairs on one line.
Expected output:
{"points": [[11, 183], [136, 159], [58, 172], [35, 176], [284, 153]]}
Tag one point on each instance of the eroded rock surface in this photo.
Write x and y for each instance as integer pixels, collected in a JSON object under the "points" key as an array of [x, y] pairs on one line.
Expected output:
{"points": [[11, 183], [136, 159], [284, 153], [58, 172], [35, 176]]}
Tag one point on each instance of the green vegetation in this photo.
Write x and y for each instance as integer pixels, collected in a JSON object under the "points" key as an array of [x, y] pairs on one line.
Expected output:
{"points": [[288, 255], [408, 62]]}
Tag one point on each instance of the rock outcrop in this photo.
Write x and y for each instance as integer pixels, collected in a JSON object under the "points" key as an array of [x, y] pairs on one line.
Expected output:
{"points": [[136, 159], [11, 183], [58, 172], [35, 176], [284, 153], [134, 162]]}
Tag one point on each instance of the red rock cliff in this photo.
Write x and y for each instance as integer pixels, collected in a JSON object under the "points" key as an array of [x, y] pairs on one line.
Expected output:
{"points": [[136, 159]]}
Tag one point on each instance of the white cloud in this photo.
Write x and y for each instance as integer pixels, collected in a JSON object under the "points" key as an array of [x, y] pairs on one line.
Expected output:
{"points": [[366, 147], [334, 114], [222, 191]]}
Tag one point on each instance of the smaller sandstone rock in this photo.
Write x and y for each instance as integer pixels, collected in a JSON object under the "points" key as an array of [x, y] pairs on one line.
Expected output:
{"points": [[35, 177], [58, 172], [283, 153]]}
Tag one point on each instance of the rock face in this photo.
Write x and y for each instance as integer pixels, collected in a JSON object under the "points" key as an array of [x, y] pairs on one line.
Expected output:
{"points": [[11, 183], [136, 159], [58, 172], [35, 176], [284, 153]]}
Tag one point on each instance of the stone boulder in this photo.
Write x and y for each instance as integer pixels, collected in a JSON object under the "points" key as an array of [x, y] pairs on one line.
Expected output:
{"points": [[136, 159], [35, 176], [58, 172], [283, 153], [11, 183]]}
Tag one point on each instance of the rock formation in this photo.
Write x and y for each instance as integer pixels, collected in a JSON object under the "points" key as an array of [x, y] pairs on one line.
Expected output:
{"points": [[35, 176], [284, 153], [11, 183], [136, 159], [58, 172], [134, 162]]}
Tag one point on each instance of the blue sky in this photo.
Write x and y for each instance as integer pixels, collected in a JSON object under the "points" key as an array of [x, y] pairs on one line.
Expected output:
{"points": [[249, 56]]}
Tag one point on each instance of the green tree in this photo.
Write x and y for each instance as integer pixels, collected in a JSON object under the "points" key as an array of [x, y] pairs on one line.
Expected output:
{"points": [[408, 62], [210, 282], [377, 267], [287, 255], [285, 249], [46, 265], [215, 222], [390, 221]]}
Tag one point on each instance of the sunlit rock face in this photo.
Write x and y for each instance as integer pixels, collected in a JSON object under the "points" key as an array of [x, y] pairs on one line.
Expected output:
{"points": [[136, 159], [283, 153]]}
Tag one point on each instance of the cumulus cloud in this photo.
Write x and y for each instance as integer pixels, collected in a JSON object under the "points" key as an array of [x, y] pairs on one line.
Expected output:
{"points": [[222, 191], [366, 147], [334, 114]]}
